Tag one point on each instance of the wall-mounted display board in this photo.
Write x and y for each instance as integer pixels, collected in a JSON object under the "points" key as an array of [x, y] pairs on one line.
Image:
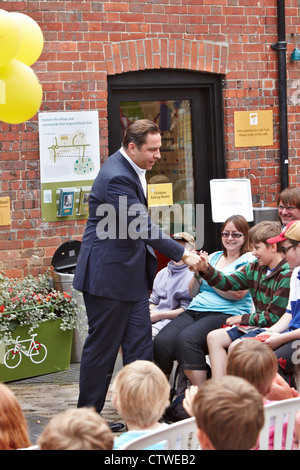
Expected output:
{"points": [[69, 162]]}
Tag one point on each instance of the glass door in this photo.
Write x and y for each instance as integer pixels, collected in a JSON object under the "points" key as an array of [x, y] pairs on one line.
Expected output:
{"points": [[187, 106], [176, 164]]}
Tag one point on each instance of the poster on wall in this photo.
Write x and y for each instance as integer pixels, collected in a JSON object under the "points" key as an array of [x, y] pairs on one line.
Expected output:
{"points": [[4, 210], [253, 128], [69, 158]]}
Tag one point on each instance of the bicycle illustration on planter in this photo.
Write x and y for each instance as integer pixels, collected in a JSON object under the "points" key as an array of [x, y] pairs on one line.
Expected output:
{"points": [[36, 351]]}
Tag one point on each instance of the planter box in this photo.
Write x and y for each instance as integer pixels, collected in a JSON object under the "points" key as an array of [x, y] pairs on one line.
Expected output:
{"points": [[46, 349]]}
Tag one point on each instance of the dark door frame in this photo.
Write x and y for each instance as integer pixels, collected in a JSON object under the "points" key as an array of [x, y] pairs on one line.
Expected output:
{"points": [[205, 92]]}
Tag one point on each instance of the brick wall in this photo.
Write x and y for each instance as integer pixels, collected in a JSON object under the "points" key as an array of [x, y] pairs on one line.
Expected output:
{"points": [[87, 40]]}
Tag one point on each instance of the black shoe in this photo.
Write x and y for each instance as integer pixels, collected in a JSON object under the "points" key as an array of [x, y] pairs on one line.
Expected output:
{"points": [[116, 427]]}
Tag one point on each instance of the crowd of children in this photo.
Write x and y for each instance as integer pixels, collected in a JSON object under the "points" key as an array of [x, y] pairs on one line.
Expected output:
{"points": [[253, 359]]}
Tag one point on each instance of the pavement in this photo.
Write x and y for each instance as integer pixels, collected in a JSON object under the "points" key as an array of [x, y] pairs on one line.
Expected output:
{"points": [[45, 396]]}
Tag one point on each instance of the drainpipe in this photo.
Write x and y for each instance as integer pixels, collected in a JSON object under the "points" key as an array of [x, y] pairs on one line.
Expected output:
{"points": [[280, 47]]}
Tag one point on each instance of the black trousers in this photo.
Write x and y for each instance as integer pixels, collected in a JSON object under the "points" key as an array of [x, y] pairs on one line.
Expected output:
{"points": [[288, 356], [184, 340], [112, 323]]}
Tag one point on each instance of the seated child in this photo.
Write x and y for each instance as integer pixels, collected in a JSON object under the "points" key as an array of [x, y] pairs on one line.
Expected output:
{"points": [[268, 280], [141, 395], [77, 429], [170, 294], [257, 363], [229, 414], [282, 336]]}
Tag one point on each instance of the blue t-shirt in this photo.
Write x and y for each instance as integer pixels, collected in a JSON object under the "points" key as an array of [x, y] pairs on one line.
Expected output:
{"points": [[129, 436], [208, 300]]}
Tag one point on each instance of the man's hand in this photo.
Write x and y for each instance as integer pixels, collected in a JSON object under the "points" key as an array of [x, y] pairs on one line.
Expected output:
{"points": [[196, 261], [191, 259]]}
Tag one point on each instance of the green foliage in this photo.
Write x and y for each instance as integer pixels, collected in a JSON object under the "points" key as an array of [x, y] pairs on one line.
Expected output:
{"points": [[30, 301]]}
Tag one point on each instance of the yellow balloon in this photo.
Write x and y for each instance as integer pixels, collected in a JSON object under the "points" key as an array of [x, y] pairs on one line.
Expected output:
{"points": [[10, 37], [20, 92], [32, 41]]}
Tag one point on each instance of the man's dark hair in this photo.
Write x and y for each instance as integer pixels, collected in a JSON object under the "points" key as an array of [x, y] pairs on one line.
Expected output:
{"points": [[137, 132]]}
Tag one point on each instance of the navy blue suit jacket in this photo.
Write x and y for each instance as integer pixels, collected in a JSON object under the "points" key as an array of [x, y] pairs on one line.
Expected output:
{"points": [[112, 264]]}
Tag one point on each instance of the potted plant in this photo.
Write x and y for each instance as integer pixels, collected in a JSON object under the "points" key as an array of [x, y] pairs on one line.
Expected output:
{"points": [[36, 327]]}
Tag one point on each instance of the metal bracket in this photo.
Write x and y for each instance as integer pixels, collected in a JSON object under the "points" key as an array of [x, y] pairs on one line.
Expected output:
{"points": [[279, 46]]}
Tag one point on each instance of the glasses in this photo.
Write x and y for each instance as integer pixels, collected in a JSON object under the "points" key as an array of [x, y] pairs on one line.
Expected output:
{"points": [[287, 208], [285, 249], [234, 234]]}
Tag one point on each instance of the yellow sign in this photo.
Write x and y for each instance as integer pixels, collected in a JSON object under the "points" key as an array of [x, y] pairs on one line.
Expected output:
{"points": [[4, 211], [160, 194], [253, 128]]}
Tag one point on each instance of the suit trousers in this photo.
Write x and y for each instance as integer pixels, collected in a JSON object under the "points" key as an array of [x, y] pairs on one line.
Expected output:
{"points": [[112, 323]]}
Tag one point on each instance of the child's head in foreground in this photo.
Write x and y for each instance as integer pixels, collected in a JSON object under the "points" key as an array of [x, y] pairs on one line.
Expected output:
{"points": [[229, 413], [77, 429], [141, 393], [255, 361], [13, 425]]}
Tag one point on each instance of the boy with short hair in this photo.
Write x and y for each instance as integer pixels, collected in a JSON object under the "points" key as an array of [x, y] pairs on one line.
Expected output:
{"points": [[141, 395], [256, 362], [283, 334], [253, 361], [77, 429], [268, 281], [229, 414]]}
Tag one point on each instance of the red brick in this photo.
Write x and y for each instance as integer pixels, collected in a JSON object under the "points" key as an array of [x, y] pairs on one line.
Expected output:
{"points": [[86, 41]]}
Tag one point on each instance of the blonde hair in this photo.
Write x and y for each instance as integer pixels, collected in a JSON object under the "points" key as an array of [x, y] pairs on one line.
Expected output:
{"points": [[13, 425], [77, 429], [254, 361], [230, 412], [260, 232], [141, 393], [156, 179]]}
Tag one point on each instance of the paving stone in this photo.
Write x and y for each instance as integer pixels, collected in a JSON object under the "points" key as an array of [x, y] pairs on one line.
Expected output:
{"points": [[45, 396]]}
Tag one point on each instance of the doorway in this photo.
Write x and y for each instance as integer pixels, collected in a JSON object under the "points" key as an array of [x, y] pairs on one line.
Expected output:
{"points": [[187, 106]]}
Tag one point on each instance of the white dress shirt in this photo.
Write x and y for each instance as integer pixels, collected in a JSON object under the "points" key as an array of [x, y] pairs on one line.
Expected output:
{"points": [[140, 172]]}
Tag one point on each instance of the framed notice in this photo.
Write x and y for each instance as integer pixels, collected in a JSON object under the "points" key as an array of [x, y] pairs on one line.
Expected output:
{"points": [[253, 128], [231, 197]]}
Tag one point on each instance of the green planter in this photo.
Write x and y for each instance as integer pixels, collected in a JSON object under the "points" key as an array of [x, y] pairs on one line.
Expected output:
{"points": [[46, 349]]}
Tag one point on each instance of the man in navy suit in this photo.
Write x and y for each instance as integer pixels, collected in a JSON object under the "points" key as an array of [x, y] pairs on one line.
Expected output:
{"points": [[117, 265]]}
